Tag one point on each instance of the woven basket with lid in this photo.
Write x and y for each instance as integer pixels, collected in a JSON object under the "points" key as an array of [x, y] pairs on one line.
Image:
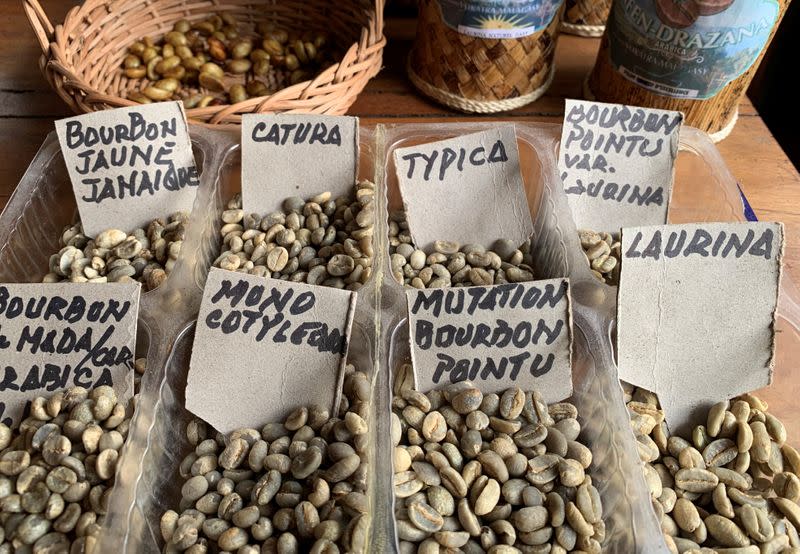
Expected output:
{"points": [[475, 74], [81, 57]]}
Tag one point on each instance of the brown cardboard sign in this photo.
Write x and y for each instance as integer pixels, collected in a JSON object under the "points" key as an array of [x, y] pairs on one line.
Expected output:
{"points": [[696, 312], [617, 164], [467, 189], [263, 347], [56, 336], [499, 336], [129, 165], [296, 155]]}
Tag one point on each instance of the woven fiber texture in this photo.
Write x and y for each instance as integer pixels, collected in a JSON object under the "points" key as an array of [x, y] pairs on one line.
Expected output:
{"points": [[587, 12], [489, 75], [82, 56], [586, 18], [476, 106]]}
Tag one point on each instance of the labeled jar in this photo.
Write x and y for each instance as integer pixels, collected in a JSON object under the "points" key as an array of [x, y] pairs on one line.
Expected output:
{"points": [[485, 56], [693, 56]]}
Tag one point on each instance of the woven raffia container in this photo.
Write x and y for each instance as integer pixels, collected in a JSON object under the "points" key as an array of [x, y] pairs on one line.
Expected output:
{"points": [[454, 62], [693, 56], [81, 57], [586, 18]]}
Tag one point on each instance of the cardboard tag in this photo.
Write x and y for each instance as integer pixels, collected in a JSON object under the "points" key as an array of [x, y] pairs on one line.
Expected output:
{"points": [[56, 336], [129, 165], [263, 347], [500, 336], [617, 164], [466, 189], [696, 312], [296, 155]]}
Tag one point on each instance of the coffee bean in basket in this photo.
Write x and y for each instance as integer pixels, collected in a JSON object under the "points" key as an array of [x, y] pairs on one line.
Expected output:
{"points": [[499, 473], [294, 486], [218, 60], [320, 241]]}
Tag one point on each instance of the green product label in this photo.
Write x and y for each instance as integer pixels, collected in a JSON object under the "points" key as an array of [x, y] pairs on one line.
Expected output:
{"points": [[688, 48], [498, 18]]}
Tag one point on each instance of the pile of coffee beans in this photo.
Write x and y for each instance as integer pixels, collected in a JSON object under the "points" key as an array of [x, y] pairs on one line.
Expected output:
{"points": [[290, 487], [731, 486], [57, 471], [319, 241], [603, 255], [452, 264], [115, 256], [499, 473]]}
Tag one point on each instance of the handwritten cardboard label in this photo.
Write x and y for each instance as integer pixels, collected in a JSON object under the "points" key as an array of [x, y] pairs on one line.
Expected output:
{"points": [[263, 347], [296, 155], [56, 336], [500, 336], [467, 189], [696, 312], [617, 164], [129, 165]]}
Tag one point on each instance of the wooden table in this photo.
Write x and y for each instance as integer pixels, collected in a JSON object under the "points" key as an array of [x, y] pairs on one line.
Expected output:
{"points": [[767, 177]]}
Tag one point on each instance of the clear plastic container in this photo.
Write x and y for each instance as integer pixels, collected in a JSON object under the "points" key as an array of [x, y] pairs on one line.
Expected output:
{"points": [[616, 471], [30, 227], [704, 190], [147, 476], [42, 205]]}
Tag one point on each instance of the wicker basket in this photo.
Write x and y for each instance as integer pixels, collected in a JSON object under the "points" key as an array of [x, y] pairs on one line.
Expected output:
{"points": [[81, 57], [586, 18], [481, 75]]}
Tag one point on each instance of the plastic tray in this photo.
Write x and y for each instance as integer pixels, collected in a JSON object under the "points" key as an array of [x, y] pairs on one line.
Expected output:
{"points": [[704, 190], [146, 483], [146, 477], [42, 205], [616, 471], [30, 226]]}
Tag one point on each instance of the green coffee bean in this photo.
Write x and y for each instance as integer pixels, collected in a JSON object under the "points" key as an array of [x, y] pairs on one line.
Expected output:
{"points": [[451, 264], [735, 516], [725, 531], [47, 491], [483, 487], [280, 485]]}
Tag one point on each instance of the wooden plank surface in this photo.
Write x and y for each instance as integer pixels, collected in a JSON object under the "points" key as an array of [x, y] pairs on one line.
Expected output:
{"points": [[28, 107]]}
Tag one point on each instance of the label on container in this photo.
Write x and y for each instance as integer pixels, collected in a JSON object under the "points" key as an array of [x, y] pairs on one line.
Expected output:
{"points": [[498, 18], [296, 155], [500, 336], [263, 347], [696, 312], [129, 165], [56, 336], [688, 48], [467, 189], [617, 164]]}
